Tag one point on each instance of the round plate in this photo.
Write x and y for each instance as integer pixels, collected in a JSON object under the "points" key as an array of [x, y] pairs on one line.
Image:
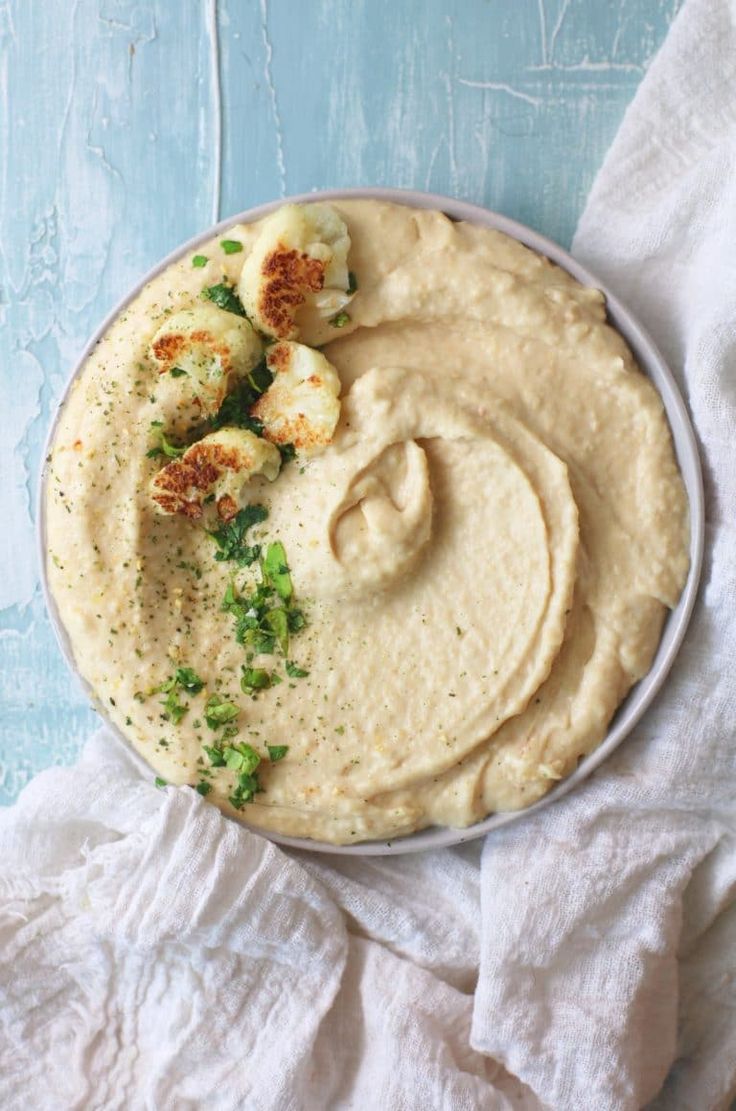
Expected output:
{"points": [[650, 361]]}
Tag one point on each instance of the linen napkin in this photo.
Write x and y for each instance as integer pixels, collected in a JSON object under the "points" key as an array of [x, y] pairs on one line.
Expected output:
{"points": [[155, 955]]}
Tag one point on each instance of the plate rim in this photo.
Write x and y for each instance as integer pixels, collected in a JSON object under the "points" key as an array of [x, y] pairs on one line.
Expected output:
{"points": [[648, 357]]}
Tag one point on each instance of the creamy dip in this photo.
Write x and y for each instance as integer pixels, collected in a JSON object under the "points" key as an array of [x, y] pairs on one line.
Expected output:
{"points": [[484, 554]]}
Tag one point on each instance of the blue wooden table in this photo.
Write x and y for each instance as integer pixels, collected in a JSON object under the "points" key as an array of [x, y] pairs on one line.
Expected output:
{"points": [[128, 125]]}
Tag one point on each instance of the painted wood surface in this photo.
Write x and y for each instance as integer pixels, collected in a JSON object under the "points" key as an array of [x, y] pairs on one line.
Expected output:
{"points": [[128, 125]]}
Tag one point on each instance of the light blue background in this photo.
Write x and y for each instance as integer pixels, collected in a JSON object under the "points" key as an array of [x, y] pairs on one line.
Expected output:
{"points": [[110, 112]]}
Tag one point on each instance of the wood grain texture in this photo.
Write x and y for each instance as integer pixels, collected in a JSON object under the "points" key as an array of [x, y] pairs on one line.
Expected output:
{"points": [[125, 126]]}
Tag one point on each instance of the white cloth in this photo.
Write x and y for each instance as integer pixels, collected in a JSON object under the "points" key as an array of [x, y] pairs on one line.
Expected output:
{"points": [[155, 955]]}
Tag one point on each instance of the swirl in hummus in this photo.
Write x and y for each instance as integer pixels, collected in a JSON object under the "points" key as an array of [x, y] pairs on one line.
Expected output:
{"points": [[480, 540]]}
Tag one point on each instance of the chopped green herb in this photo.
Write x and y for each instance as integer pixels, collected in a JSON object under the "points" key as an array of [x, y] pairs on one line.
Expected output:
{"points": [[287, 453], [278, 621], [184, 678], [177, 372], [241, 758], [352, 282], [295, 672], [266, 616], [174, 710], [159, 782], [188, 680], [296, 620], [225, 297], [244, 760], [218, 711], [340, 320], [203, 788], [198, 261], [277, 752], [230, 537], [247, 787], [164, 447], [255, 679], [249, 612], [216, 757], [276, 570], [235, 409], [231, 246]]}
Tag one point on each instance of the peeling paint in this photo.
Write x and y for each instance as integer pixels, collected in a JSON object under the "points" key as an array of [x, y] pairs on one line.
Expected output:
{"points": [[268, 57], [213, 33]]}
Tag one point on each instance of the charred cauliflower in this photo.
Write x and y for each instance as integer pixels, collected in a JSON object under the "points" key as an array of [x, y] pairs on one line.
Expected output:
{"points": [[299, 259], [302, 404], [219, 465], [199, 352]]}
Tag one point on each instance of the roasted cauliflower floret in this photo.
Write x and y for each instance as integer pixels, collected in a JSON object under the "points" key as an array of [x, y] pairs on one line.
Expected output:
{"points": [[219, 465], [301, 406], [300, 259], [200, 352]]}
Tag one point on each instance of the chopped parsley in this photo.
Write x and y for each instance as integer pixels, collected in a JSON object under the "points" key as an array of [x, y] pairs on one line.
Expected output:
{"points": [[243, 760], [265, 618], [295, 672], [278, 621], [174, 710], [296, 620], [177, 372], [250, 612], [203, 787], [230, 537], [231, 246], [235, 409], [225, 297], [164, 446], [184, 678], [215, 755], [276, 570], [188, 680], [198, 261], [159, 782], [218, 711], [247, 787], [287, 453], [241, 757], [255, 679], [340, 320]]}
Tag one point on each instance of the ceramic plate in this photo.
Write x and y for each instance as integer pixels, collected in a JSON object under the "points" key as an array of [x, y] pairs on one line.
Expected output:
{"points": [[653, 365]]}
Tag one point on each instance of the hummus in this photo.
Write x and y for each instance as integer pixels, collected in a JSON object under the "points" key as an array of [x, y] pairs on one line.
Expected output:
{"points": [[483, 555]]}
